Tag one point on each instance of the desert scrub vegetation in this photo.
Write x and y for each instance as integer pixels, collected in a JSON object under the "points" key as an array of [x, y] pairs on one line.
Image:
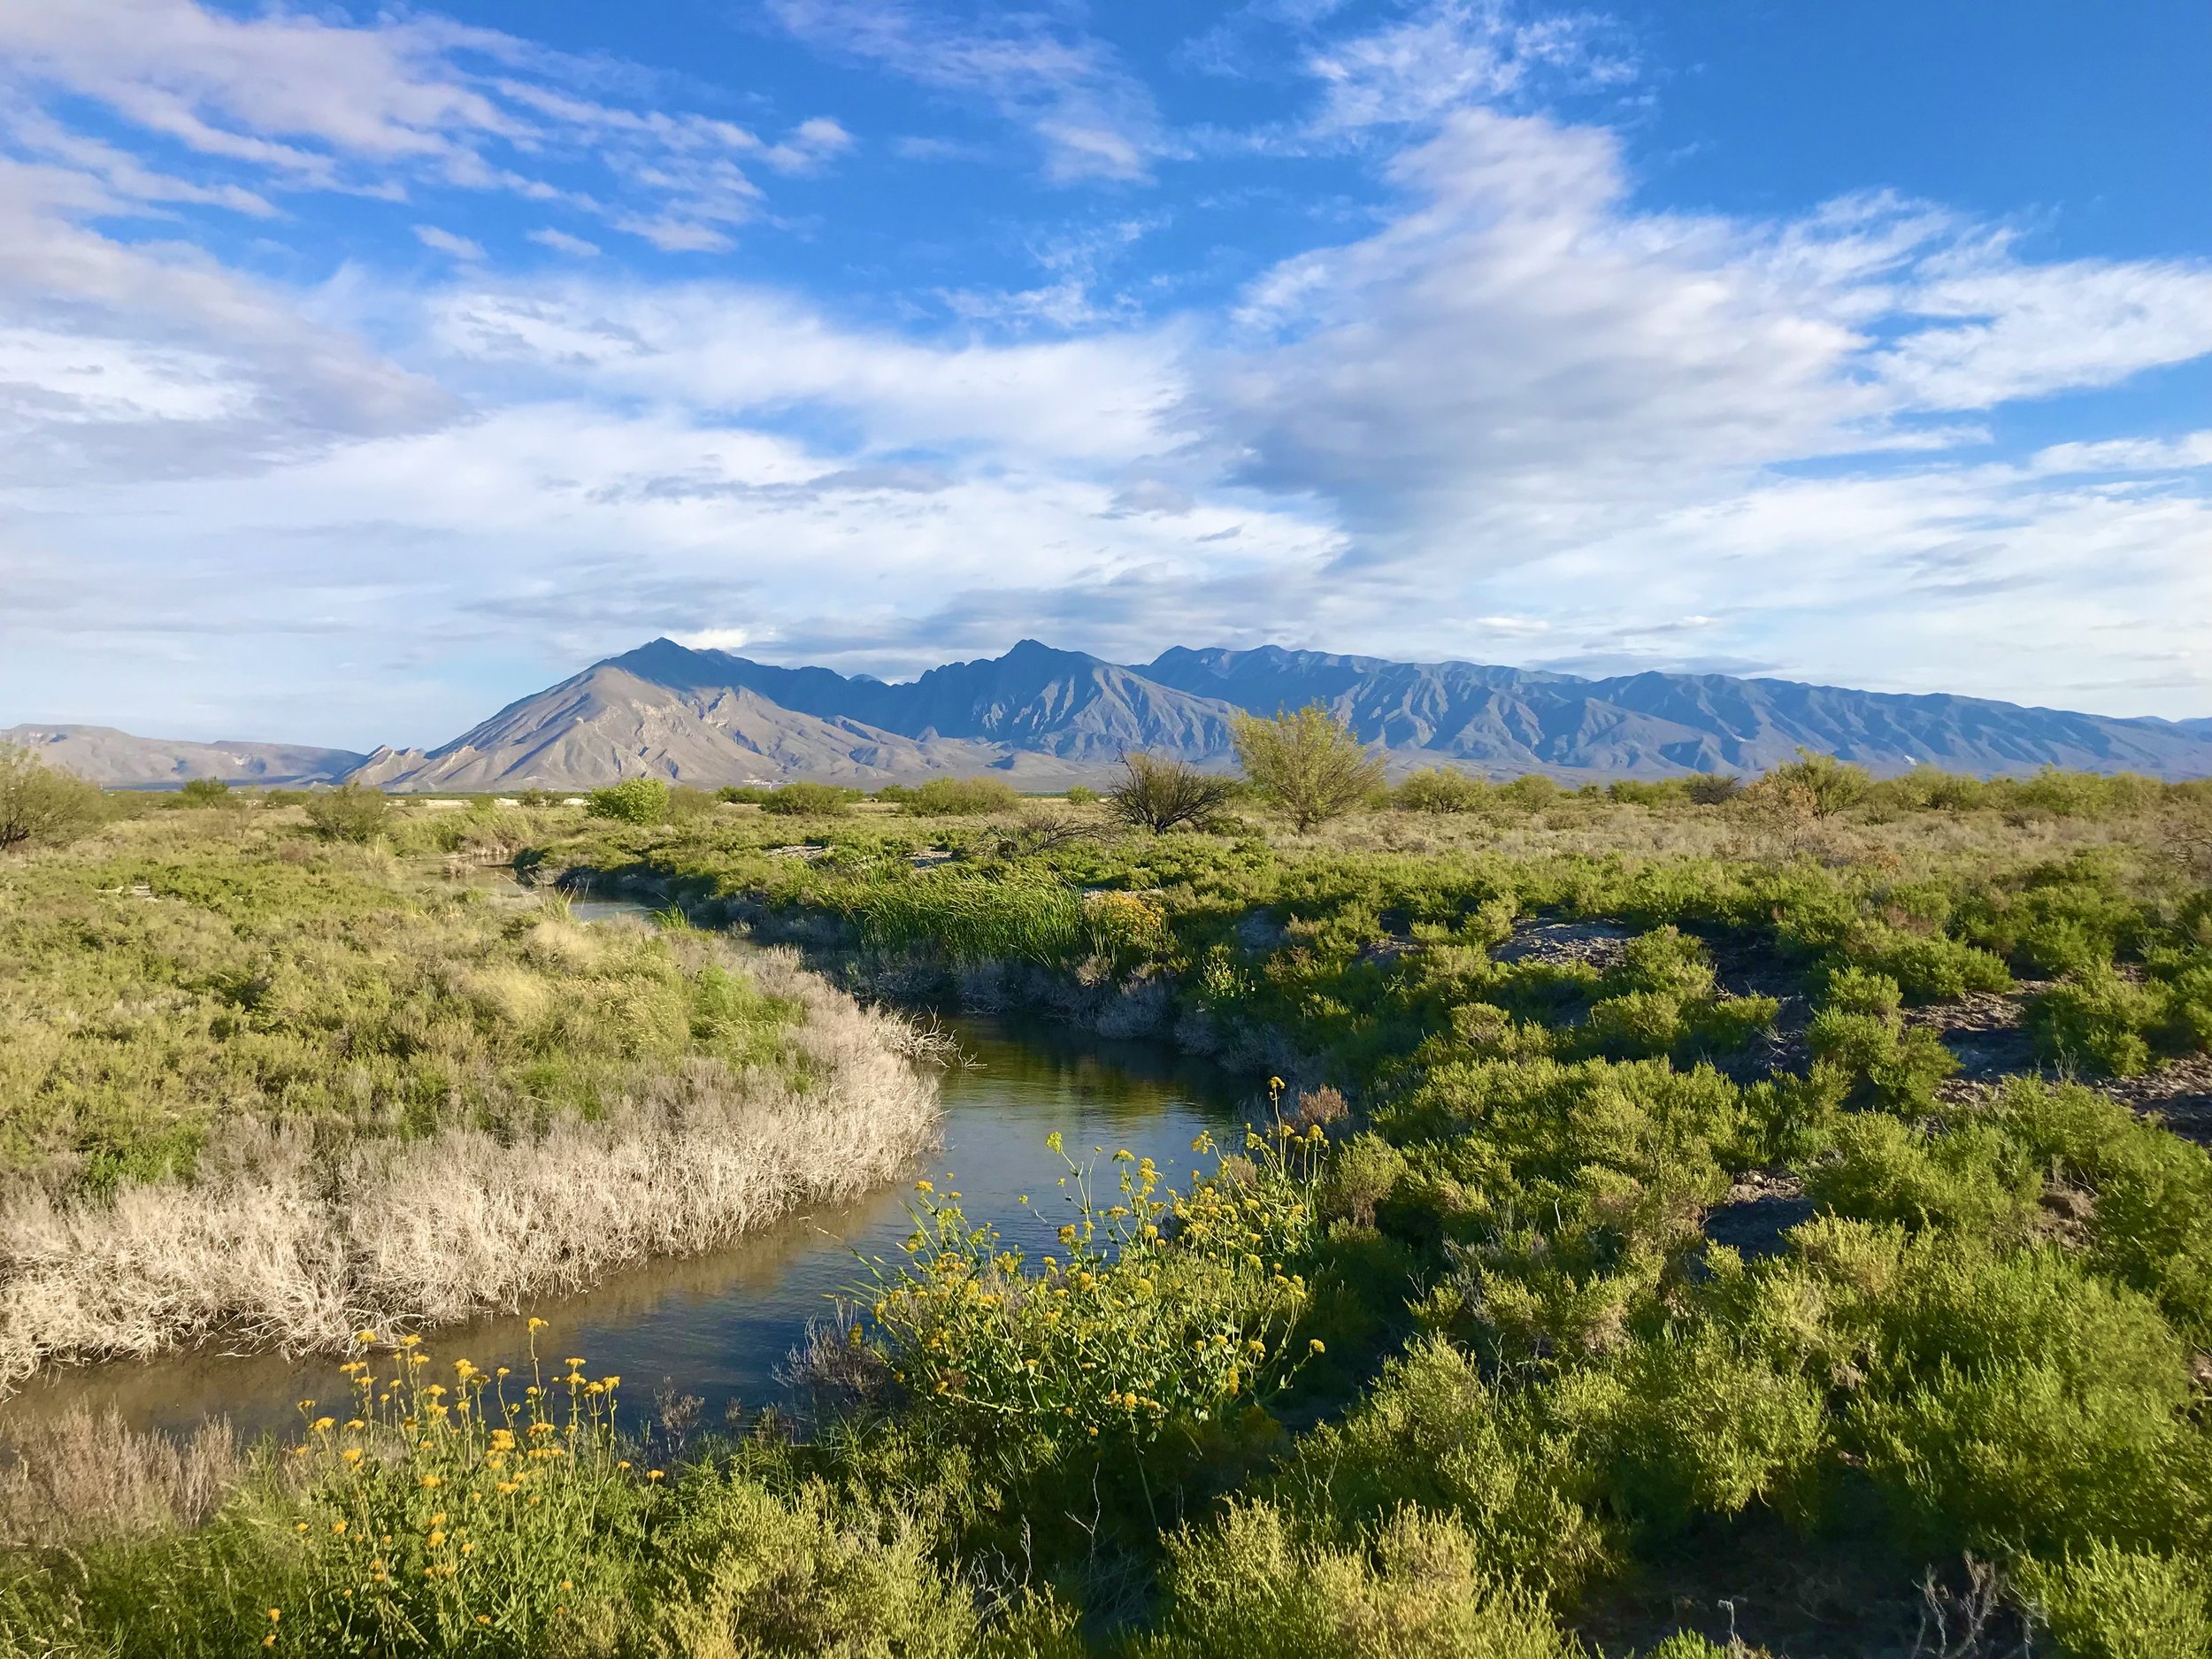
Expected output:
{"points": [[275, 1087], [1628, 1254], [1663, 1225]]}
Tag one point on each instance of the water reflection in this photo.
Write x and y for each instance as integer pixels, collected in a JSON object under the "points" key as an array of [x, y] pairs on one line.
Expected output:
{"points": [[718, 1325]]}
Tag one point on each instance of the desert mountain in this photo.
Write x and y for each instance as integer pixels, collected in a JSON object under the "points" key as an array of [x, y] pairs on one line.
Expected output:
{"points": [[1044, 718], [115, 760], [1506, 719], [613, 721]]}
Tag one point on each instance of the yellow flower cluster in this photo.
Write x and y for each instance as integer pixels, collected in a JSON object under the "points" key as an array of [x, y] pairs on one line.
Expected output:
{"points": [[430, 1500]]}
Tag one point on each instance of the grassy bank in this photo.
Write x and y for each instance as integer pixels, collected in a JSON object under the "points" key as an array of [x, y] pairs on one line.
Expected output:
{"points": [[1687, 1227], [275, 1087]]}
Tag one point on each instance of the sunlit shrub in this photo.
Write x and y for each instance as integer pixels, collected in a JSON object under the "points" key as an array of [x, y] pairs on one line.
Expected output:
{"points": [[1155, 1314], [959, 797], [1417, 1587], [641, 801], [1441, 789], [351, 812], [808, 800], [2106, 1602], [1892, 1066], [2101, 1020], [1434, 1434]]}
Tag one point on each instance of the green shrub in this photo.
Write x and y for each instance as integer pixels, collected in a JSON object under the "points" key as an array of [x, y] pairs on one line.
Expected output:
{"points": [[1161, 794], [1687, 1423], [351, 812], [1828, 784], [809, 799], [40, 805], [1532, 792], [1432, 1435], [1441, 789], [1927, 967], [1973, 1178], [641, 801], [1081, 795], [1889, 1064], [2101, 1020], [2016, 1402], [688, 806], [2111, 1603], [1714, 789], [1153, 1316], [959, 797], [2151, 1226], [741, 794], [199, 792], [1417, 1587], [740, 1570]]}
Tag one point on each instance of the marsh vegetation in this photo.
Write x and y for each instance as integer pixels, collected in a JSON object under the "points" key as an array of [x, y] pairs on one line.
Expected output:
{"points": [[1691, 1219]]}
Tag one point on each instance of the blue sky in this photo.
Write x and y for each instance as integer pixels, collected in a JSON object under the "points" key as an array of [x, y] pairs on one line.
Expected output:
{"points": [[363, 367]]}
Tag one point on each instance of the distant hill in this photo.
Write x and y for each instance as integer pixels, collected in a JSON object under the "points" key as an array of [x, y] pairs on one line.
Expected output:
{"points": [[115, 760], [1044, 718]]}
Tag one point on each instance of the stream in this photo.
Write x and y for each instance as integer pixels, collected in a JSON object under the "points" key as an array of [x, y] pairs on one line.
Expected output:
{"points": [[718, 1326]]}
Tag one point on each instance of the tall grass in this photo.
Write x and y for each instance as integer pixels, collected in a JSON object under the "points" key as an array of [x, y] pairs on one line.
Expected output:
{"points": [[973, 920]]}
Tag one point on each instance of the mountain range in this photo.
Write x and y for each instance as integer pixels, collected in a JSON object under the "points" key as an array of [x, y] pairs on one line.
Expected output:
{"points": [[1044, 718], [117, 760]]}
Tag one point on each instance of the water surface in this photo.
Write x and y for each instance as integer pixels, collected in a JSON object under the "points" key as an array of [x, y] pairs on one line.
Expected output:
{"points": [[718, 1326]]}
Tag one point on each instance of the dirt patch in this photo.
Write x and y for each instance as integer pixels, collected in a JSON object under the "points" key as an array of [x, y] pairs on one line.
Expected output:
{"points": [[1600, 944], [1988, 1031], [1760, 1208], [2179, 1091]]}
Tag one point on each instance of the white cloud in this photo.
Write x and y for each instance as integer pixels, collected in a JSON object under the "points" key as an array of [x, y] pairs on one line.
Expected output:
{"points": [[2128, 454], [446, 242], [1521, 359], [295, 101], [1452, 53], [561, 241], [1092, 118]]}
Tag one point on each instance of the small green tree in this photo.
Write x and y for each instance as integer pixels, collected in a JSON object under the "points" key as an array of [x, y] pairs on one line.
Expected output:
{"points": [[204, 792], [1161, 795], [1307, 763], [1830, 785], [632, 801], [42, 805], [351, 812]]}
